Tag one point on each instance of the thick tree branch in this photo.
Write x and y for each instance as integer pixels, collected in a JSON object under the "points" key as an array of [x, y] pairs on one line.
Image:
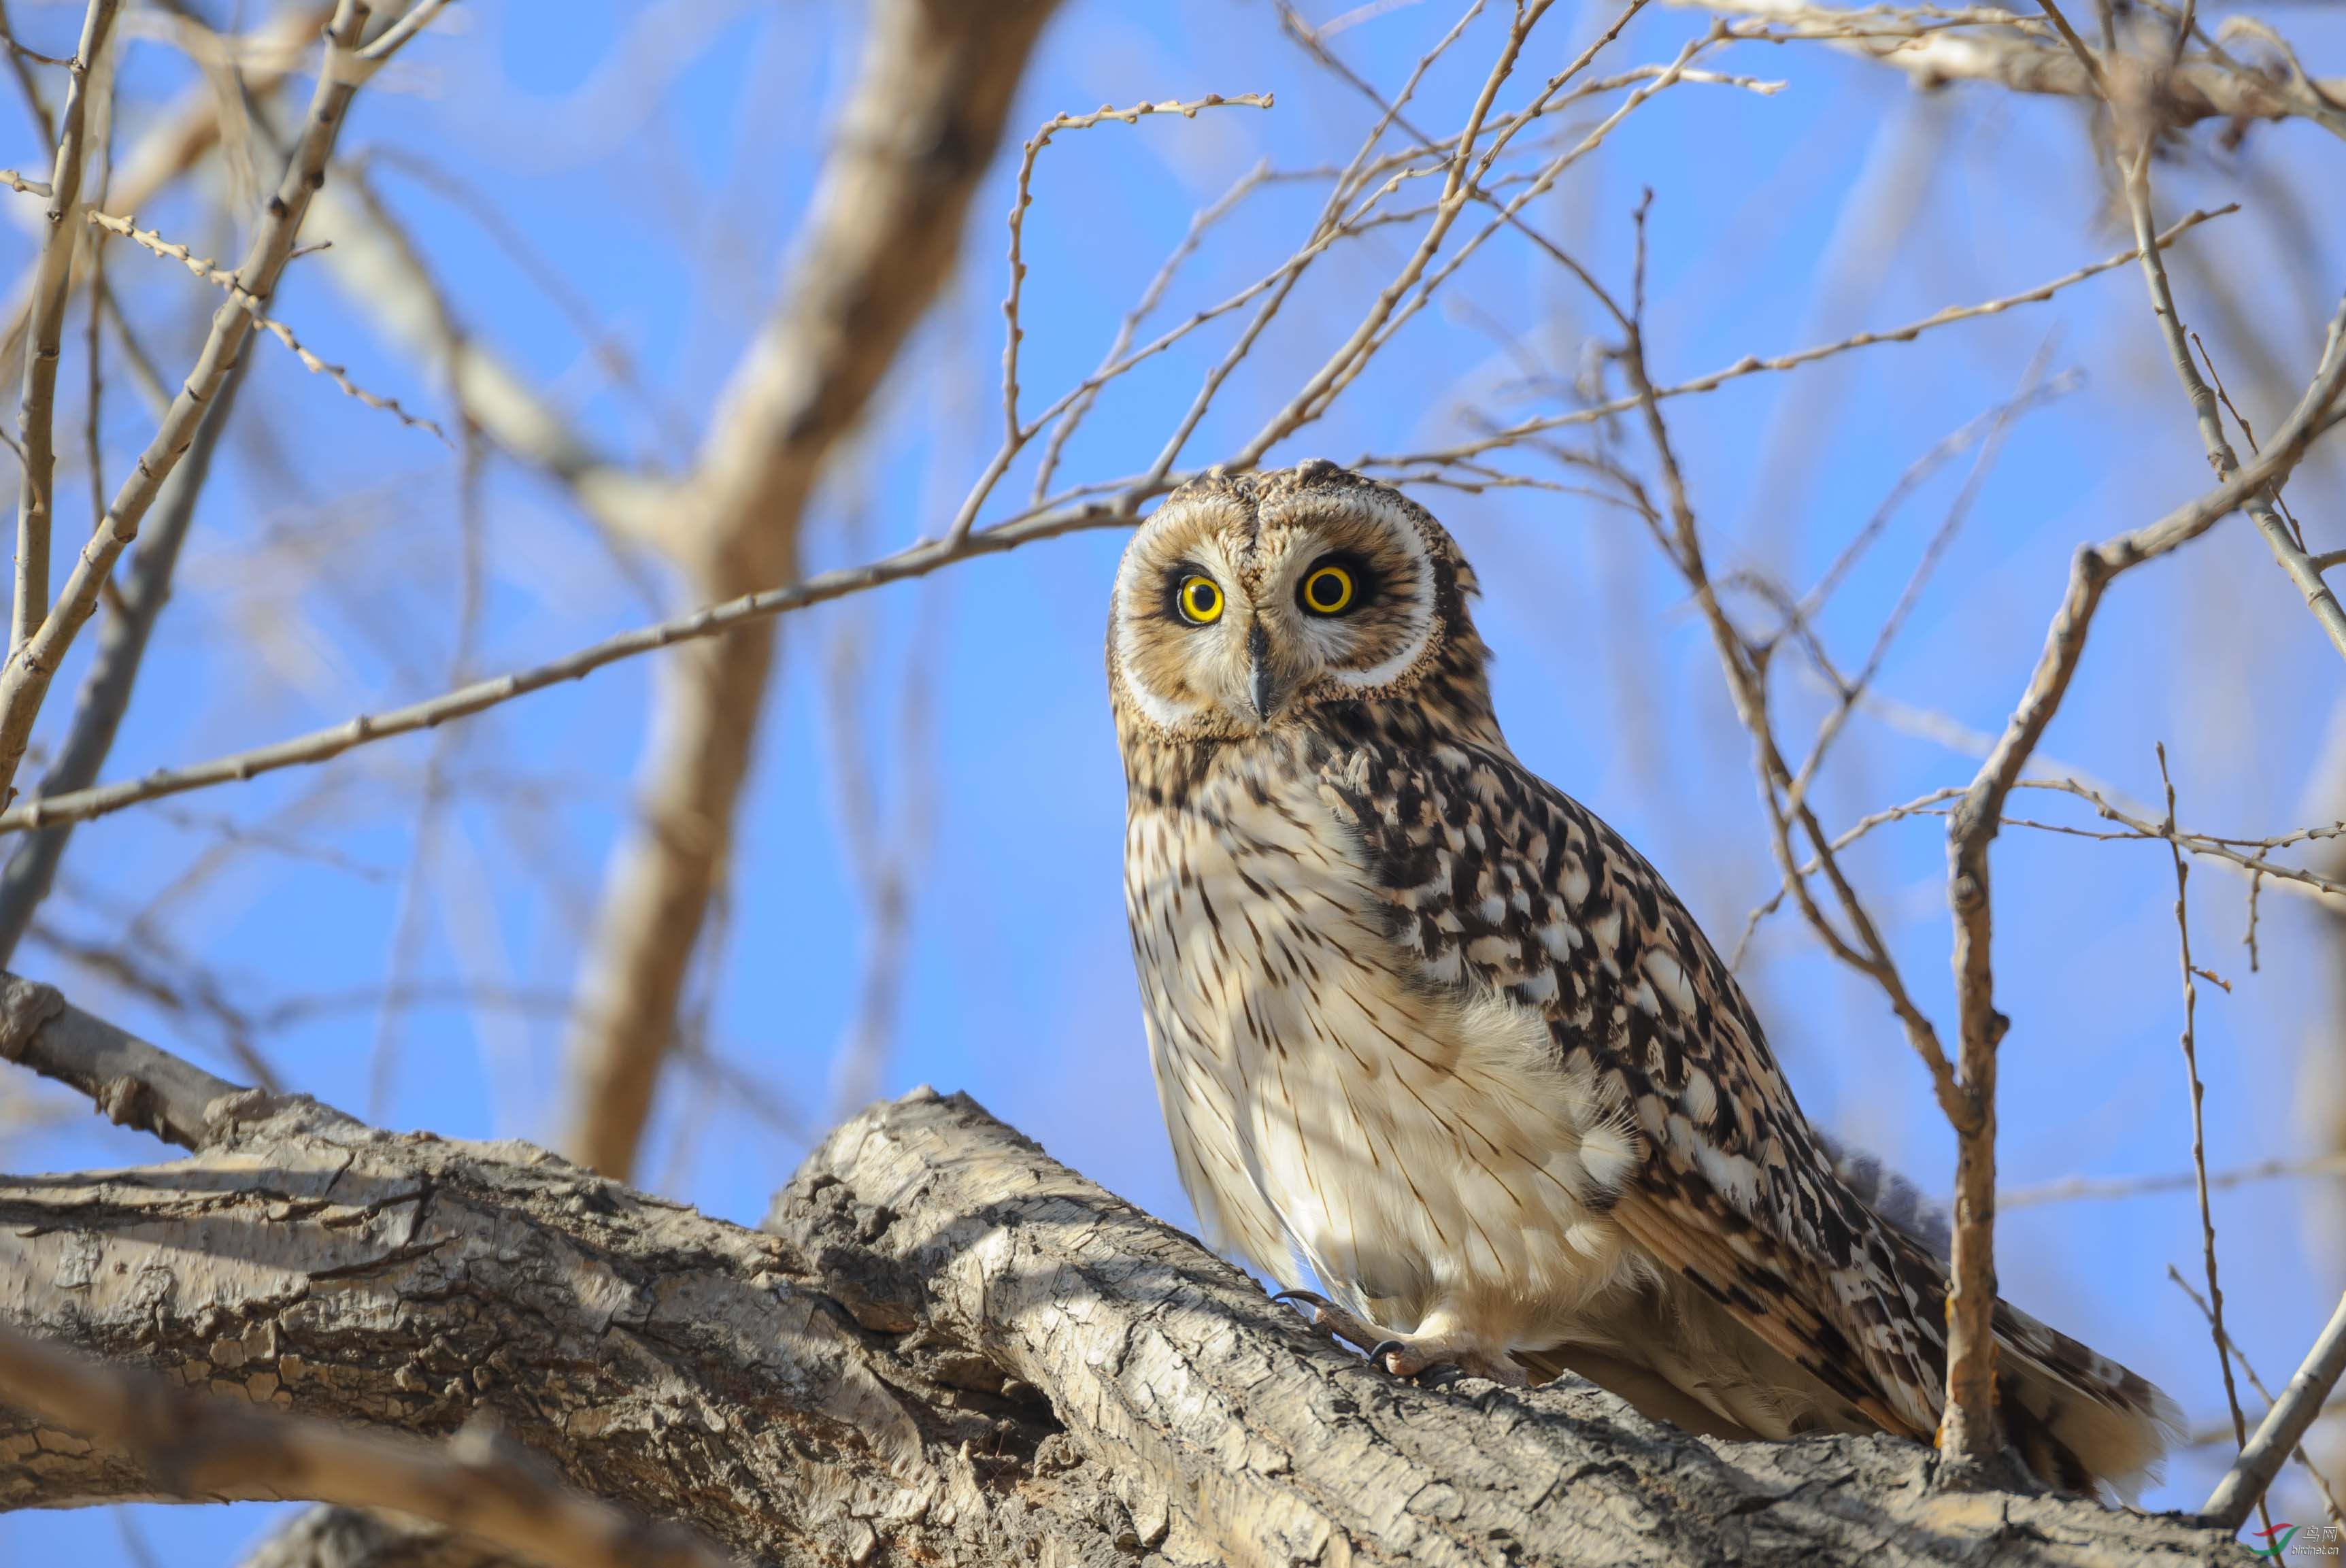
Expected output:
{"points": [[202, 1445], [137, 1084], [951, 1350], [918, 132], [672, 1365]]}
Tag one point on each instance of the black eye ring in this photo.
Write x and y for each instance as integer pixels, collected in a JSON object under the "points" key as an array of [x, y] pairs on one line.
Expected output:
{"points": [[1327, 589], [1200, 600]]}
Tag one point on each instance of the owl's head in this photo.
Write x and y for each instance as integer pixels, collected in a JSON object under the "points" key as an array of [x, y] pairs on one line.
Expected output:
{"points": [[1249, 600]]}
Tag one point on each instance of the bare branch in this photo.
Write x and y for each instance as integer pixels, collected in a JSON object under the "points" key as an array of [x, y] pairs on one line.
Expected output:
{"points": [[1119, 510], [1016, 432], [2199, 1118], [2261, 507], [25, 682], [37, 407], [1973, 826], [133, 1082], [106, 690], [1456, 182], [936, 90], [148, 239], [2074, 1189], [1754, 365], [1936, 46], [2282, 1430]]}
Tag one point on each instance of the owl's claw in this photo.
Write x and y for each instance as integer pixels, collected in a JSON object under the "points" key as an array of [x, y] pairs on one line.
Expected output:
{"points": [[1423, 1362], [1395, 1356], [1331, 1322]]}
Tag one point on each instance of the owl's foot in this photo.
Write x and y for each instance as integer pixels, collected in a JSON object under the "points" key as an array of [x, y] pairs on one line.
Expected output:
{"points": [[1431, 1359]]}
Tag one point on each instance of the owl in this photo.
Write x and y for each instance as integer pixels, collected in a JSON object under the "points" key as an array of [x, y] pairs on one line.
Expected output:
{"points": [[1429, 1034]]}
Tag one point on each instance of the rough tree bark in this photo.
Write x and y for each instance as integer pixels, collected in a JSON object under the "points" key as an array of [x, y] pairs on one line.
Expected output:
{"points": [[946, 1348]]}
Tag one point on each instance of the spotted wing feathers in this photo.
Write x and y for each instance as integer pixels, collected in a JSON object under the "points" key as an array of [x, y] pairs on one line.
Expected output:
{"points": [[1497, 881]]}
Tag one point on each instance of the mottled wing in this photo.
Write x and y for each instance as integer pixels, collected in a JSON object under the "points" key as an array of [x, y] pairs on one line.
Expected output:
{"points": [[1500, 880]]}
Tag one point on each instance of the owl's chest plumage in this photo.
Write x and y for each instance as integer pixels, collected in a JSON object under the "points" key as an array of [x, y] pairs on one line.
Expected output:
{"points": [[1413, 1142]]}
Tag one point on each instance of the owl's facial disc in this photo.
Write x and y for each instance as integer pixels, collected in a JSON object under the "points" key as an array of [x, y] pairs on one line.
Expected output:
{"points": [[1229, 617]]}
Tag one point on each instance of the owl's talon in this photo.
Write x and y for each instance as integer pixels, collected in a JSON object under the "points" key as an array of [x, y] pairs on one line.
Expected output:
{"points": [[1396, 1358], [1331, 1322]]}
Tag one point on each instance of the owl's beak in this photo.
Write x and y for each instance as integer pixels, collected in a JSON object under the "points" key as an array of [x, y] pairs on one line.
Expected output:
{"points": [[1261, 688]]}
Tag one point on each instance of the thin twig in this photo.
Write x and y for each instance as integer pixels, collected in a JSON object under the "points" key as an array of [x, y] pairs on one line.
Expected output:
{"points": [[2198, 1119], [1751, 364], [106, 689], [46, 316], [22, 60], [318, 745], [93, 361], [2076, 47], [2093, 1189], [25, 685], [1080, 405], [1325, 380], [1852, 691], [149, 239], [2286, 550], [1015, 434], [1744, 664]]}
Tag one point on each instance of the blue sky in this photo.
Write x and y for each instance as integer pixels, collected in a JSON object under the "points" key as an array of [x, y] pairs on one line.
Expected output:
{"points": [[659, 160]]}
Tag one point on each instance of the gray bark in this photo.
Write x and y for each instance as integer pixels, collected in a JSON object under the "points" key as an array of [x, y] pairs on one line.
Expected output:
{"points": [[947, 1348]]}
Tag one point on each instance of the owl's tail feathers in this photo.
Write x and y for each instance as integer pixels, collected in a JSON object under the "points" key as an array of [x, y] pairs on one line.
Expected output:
{"points": [[2076, 1416], [2080, 1419]]}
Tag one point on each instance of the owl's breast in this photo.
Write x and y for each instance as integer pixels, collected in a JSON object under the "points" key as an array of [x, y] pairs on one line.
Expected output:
{"points": [[1334, 1106]]}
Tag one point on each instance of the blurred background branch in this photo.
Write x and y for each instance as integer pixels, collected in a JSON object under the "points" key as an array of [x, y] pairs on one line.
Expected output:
{"points": [[918, 131]]}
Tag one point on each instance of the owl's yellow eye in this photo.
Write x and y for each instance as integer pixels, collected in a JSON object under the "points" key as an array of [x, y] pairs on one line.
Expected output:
{"points": [[1327, 591], [1201, 601]]}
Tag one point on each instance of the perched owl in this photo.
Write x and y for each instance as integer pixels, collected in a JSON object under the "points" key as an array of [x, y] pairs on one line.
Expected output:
{"points": [[1425, 1027]]}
